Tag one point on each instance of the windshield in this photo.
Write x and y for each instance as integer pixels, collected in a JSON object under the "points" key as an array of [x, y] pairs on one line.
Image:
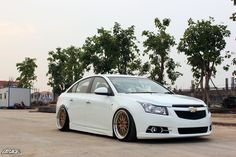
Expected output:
{"points": [[137, 85]]}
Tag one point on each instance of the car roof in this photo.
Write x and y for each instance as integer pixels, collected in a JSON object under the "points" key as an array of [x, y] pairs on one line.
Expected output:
{"points": [[115, 75]]}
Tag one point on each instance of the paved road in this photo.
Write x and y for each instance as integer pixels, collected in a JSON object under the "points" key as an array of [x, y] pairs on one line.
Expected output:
{"points": [[35, 135]]}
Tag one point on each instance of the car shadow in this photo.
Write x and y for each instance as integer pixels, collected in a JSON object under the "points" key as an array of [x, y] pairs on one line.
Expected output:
{"points": [[90, 134], [148, 141], [175, 140]]}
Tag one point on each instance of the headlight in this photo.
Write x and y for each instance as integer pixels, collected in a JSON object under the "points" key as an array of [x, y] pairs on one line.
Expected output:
{"points": [[155, 109]]}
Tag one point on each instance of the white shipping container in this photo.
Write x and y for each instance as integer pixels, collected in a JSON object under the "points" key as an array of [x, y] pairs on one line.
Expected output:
{"points": [[4, 97], [11, 96]]}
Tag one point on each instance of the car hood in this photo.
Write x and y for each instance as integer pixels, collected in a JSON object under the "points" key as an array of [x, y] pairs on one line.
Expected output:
{"points": [[165, 99]]}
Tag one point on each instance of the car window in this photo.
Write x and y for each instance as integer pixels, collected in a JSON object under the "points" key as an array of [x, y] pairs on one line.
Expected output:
{"points": [[72, 89], [137, 85], [80, 87], [83, 86], [99, 82]]}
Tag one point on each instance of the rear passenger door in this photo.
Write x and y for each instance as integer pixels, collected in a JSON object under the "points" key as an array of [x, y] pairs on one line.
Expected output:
{"points": [[78, 98]]}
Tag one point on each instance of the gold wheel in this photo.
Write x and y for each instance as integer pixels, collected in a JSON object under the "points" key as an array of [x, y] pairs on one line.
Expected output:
{"points": [[62, 117], [121, 124]]}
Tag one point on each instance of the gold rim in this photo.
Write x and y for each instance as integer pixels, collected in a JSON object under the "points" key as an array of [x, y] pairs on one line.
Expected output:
{"points": [[62, 117], [121, 124]]}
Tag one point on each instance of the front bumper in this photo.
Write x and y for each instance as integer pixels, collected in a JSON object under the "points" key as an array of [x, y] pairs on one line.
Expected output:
{"points": [[173, 123]]}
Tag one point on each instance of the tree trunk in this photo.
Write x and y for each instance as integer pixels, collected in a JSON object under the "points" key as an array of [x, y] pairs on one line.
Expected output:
{"points": [[161, 74], [55, 96], [202, 87], [207, 89]]}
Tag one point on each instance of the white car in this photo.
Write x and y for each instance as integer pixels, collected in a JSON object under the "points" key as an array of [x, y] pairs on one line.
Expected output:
{"points": [[130, 107]]}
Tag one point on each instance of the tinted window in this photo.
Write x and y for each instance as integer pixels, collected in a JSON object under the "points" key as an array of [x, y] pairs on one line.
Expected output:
{"points": [[99, 82], [137, 85], [80, 87], [72, 89]]}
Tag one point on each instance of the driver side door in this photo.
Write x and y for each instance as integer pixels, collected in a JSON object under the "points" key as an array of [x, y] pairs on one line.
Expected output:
{"points": [[99, 108]]}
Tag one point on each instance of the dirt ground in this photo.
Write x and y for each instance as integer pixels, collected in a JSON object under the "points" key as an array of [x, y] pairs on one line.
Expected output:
{"points": [[35, 135]]}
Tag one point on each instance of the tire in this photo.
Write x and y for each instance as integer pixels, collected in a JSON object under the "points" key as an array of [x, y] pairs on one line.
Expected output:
{"points": [[123, 126], [63, 120]]}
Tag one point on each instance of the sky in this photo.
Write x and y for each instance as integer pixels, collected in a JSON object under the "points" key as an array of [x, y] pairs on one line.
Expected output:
{"points": [[32, 28]]}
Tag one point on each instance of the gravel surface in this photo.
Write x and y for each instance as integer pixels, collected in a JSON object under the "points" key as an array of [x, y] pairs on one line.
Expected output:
{"points": [[35, 135]]}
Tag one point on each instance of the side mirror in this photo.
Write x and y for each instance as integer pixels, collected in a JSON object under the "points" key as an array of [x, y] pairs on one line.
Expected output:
{"points": [[101, 91]]}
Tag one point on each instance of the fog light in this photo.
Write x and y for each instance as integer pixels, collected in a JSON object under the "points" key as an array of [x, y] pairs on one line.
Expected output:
{"points": [[153, 129], [157, 129]]}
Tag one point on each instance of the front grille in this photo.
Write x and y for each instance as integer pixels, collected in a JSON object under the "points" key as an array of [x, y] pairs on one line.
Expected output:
{"points": [[197, 130], [187, 106], [191, 115]]}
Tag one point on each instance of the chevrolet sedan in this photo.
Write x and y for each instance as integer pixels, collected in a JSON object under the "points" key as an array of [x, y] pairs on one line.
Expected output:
{"points": [[130, 107]]}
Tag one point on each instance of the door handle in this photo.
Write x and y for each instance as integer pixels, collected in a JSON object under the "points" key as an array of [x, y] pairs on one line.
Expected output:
{"points": [[71, 100], [88, 102]]}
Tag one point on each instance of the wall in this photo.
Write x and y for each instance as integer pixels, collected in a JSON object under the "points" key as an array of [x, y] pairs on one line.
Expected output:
{"points": [[216, 96], [19, 95], [4, 97]]}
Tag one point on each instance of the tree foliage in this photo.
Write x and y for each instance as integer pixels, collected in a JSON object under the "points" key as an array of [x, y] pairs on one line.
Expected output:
{"points": [[202, 43], [112, 51], [128, 53], [100, 52], [27, 75], [64, 68], [158, 46]]}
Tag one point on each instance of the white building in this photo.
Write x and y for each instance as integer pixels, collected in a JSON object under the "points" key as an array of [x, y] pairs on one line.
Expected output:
{"points": [[44, 97], [10, 96]]}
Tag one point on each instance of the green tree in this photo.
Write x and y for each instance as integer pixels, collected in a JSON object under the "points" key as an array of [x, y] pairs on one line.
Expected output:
{"points": [[112, 51], [64, 68], [202, 43], [27, 75], [128, 53], [100, 51], [158, 47]]}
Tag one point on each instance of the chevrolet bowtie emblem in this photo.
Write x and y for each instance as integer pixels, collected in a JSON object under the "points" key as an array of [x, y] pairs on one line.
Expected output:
{"points": [[192, 109]]}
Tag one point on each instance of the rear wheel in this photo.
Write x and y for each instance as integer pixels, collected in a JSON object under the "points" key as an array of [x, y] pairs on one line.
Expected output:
{"points": [[63, 119], [123, 126]]}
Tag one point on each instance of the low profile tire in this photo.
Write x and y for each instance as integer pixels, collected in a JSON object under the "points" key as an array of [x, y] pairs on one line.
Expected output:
{"points": [[123, 126], [63, 119]]}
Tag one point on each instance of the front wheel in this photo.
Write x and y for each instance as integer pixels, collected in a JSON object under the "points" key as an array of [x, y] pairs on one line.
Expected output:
{"points": [[62, 119], [124, 126]]}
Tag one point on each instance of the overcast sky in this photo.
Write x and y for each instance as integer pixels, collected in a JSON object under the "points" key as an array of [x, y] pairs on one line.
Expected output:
{"points": [[32, 28]]}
